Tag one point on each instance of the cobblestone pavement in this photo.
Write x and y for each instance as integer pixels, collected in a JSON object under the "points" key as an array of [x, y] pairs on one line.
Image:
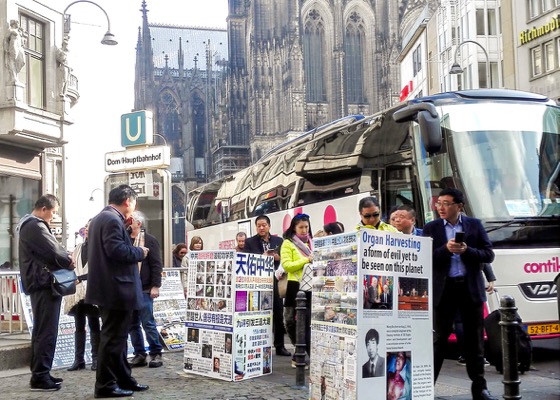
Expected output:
{"points": [[170, 382]]}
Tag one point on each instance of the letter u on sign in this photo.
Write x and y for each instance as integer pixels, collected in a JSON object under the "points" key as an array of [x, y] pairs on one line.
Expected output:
{"points": [[137, 129]]}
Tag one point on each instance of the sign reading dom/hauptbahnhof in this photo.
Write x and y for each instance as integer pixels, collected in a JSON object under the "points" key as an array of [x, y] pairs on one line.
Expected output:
{"points": [[141, 158]]}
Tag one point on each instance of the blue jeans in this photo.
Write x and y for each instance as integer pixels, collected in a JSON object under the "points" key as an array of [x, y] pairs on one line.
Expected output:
{"points": [[145, 318]]}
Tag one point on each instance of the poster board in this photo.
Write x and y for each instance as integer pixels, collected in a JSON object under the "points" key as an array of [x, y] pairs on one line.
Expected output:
{"points": [[170, 310], [229, 315], [356, 285]]}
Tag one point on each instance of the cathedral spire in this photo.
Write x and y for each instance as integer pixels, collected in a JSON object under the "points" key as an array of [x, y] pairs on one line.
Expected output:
{"points": [[180, 57]]}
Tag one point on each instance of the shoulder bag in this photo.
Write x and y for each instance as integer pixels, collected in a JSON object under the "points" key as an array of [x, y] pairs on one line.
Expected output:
{"points": [[63, 282]]}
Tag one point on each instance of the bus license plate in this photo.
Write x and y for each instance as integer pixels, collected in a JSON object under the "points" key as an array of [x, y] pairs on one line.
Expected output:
{"points": [[543, 329]]}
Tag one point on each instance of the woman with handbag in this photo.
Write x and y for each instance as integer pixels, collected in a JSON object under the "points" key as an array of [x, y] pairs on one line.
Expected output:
{"points": [[75, 306], [295, 254]]}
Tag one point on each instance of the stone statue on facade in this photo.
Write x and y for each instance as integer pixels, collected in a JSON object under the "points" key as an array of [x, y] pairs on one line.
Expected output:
{"points": [[14, 55], [64, 69]]}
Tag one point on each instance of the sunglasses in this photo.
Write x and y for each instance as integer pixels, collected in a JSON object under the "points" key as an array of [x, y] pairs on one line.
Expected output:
{"points": [[367, 216]]}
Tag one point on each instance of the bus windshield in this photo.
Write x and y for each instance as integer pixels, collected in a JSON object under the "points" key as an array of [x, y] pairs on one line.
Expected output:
{"points": [[504, 156]]}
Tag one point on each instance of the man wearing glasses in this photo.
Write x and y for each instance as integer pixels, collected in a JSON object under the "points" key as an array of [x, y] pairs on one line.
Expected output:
{"points": [[370, 215], [460, 247]]}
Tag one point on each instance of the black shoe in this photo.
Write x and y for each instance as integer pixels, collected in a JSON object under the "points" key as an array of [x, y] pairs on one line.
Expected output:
{"points": [[115, 392], [139, 360], [155, 361], [137, 387], [461, 361], [485, 395], [58, 381], [281, 351], [44, 386], [94, 365], [77, 366]]}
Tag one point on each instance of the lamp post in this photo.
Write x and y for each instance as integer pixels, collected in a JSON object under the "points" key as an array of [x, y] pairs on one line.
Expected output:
{"points": [[456, 68], [108, 39], [92, 192]]}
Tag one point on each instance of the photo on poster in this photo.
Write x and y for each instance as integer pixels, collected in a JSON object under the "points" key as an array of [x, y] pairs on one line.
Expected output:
{"points": [[413, 294], [216, 365], [192, 335], [206, 351], [375, 363], [399, 375], [172, 335], [267, 360], [266, 301], [378, 292], [200, 266], [228, 343]]}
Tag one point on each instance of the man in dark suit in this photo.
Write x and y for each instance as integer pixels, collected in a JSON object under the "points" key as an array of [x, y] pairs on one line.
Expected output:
{"points": [[375, 366], [458, 285], [114, 286], [264, 243], [39, 253]]}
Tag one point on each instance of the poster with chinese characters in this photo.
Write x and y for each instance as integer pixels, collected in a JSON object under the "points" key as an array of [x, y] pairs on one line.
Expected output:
{"points": [[170, 310], [371, 316], [229, 314]]}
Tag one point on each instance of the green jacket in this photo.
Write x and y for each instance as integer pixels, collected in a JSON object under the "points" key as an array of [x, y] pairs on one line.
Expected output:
{"points": [[292, 260], [383, 226]]}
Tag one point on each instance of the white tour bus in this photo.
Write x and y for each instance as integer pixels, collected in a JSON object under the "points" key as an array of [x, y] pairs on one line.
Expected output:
{"points": [[500, 147]]}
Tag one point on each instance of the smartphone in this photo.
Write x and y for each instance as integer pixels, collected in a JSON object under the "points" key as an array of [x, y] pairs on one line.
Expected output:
{"points": [[459, 237]]}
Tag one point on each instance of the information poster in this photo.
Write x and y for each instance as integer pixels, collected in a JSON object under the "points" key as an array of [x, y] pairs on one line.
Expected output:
{"points": [[170, 310], [371, 298], [228, 318], [64, 352]]}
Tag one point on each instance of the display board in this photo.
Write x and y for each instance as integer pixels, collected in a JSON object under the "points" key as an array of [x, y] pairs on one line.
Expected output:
{"points": [[365, 337], [229, 315], [170, 310]]}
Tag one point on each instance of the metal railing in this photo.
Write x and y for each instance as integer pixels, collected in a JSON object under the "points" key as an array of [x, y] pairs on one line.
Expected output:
{"points": [[11, 308]]}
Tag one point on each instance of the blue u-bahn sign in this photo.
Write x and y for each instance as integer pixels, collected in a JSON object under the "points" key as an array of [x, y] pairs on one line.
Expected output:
{"points": [[137, 129]]}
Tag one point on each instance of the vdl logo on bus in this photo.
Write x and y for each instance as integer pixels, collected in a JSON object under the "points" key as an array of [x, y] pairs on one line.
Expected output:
{"points": [[137, 129]]}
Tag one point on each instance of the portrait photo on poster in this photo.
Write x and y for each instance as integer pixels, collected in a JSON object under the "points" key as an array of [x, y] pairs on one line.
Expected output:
{"points": [[375, 364]]}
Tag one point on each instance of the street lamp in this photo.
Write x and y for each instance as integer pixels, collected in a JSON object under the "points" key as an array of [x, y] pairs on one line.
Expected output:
{"points": [[108, 39], [456, 68], [92, 192]]}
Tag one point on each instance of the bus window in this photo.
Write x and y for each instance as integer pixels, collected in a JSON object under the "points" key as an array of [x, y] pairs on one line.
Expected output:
{"points": [[327, 189]]}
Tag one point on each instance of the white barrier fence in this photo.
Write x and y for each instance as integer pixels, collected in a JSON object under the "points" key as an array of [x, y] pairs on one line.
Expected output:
{"points": [[11, 309]]}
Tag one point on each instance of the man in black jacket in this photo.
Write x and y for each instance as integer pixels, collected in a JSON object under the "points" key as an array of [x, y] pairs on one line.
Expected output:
{"points": [[264, 243], [39, 253], [114, 286], [150, 275], [458, 286]]}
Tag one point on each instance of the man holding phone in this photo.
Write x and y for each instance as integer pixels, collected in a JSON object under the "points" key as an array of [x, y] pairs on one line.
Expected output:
{"points": [[264, 243], [460, 247]]}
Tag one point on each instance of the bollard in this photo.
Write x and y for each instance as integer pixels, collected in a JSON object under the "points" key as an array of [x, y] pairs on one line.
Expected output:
{"points": [[301, 322], [509, 347]]}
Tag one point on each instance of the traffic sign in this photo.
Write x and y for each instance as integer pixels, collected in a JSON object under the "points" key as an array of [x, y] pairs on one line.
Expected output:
{"points": [[137, 129]]}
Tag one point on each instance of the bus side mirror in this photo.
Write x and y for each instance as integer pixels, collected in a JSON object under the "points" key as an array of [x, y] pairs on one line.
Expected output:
{"points": [[425, 114]]}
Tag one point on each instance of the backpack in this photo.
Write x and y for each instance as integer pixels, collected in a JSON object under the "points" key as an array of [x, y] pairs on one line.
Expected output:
{"points": [[493, 347]]}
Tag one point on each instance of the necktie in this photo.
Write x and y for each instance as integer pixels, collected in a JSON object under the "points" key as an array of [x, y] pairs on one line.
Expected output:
{"points": [[371, 369]]}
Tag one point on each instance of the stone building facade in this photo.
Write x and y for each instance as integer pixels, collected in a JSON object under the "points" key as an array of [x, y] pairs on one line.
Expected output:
{"points": [[36, 92]]}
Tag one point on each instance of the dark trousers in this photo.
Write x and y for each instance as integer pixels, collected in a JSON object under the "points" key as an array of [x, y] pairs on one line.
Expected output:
{"points": [[46, 313], [457, 299], [113, 369], [81, 311], [277, 317]]}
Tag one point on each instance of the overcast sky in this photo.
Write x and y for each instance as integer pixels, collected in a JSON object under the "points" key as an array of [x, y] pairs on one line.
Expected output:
{"points": [[106, 85]]}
